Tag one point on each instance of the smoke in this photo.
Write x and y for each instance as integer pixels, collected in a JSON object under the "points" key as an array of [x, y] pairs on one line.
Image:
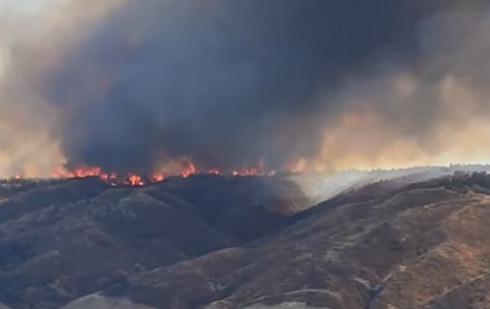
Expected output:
{"points": [[34, 35], [432, 110], [136, 85]]}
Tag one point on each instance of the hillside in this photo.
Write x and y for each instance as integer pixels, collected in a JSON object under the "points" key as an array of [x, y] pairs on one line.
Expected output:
{"points": [[216, 242], [63, 239]]}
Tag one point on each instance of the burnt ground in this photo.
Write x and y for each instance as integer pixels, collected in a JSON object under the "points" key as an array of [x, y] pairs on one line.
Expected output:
{"points": [[245, 242]]}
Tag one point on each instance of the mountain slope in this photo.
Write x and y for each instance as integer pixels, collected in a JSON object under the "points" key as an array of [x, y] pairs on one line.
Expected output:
{"points": [[61, 240], [421, 246], [216, 242]]}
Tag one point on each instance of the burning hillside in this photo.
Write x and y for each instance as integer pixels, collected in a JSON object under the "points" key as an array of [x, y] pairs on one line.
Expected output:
{"points": [[187, 168], [164, 132], [184, 169]]}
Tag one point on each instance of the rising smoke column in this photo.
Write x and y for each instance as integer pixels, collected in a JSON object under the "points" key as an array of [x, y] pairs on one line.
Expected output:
{"points": [[227, 83]]}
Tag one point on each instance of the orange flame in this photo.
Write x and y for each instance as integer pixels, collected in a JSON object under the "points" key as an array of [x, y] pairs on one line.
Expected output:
{"points": [[188, 168], [135, 180], [191, 169], [157, 177]]}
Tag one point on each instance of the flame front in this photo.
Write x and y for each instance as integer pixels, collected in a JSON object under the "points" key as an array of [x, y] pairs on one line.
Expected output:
{"points": [[135, 180], [187, 168]]}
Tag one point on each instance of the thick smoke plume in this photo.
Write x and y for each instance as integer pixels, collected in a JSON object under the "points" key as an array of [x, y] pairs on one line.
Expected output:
{"points": [[137, 85]]}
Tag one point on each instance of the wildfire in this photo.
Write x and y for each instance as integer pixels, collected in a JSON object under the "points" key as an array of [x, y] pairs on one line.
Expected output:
{"points": [[191, 169], [135, 180], [187, 169], [157, 177]]}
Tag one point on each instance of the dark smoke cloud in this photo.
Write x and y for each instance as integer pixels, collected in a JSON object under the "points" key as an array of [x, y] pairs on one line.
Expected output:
{"points": [[225, 83]]}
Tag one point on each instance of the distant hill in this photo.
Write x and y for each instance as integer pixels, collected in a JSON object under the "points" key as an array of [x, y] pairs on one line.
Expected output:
{"points": [[322, 186]]}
